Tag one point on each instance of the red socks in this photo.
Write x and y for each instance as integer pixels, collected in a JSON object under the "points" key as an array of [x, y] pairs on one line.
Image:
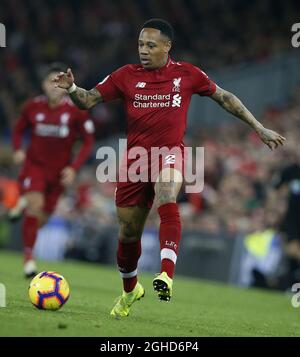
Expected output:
{"points": [[169, 236], [29, 230], [127, 258], [128, 254]]}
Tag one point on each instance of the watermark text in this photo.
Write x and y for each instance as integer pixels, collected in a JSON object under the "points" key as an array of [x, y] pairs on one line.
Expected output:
{"points": [[2, 35], [296, 37], [158, 164], [2, 295]]}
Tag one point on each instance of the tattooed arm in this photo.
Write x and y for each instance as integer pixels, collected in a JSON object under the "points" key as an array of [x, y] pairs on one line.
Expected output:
{"points": [[82, 98], [85, 99], [233, 105]]}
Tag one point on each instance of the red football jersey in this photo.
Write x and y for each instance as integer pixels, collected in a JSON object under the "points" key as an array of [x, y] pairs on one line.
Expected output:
{"points": [[53, 133], [156, 101]]}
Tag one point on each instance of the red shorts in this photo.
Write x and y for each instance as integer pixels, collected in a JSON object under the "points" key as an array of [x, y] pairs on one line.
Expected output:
{"points": [[34, 178], [133, 192]]}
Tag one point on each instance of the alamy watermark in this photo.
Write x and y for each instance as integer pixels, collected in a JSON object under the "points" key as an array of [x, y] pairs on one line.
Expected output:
{"points": [[295, 298], [2, 35], [296, 37], [140, 165], [2, 295]]}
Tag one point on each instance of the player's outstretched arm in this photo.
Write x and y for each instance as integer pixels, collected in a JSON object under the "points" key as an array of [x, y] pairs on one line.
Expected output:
{"points": [[233, 105], [82, 98]]}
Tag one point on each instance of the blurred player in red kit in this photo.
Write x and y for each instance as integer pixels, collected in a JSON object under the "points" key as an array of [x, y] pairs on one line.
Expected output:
{"points": [[54, 124], [156, 94]]}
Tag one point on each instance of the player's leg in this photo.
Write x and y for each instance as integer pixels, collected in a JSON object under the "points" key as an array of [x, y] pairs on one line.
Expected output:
{"points": [[132, 221], [33, 217], [292, 252], [166, 189], [52, 195], [290, 228], [39, 206]]}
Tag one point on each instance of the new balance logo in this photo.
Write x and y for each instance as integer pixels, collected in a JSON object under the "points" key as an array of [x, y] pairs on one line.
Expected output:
{"points": [[27, 182], [176, 100], [140, 85], [40, 117], [169, 159]]}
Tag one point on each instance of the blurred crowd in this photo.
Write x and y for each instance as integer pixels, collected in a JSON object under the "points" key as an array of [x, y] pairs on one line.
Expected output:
{"points": [[97, 36], [239, 195]]}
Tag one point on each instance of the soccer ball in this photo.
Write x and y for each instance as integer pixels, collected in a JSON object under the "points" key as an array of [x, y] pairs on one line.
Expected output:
{"points": [[48, 291]]}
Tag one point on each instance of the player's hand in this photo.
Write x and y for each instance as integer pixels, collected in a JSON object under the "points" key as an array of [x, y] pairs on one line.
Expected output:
{"points": [[67, 176], [19, 157], [64, 80], [271, 138]]}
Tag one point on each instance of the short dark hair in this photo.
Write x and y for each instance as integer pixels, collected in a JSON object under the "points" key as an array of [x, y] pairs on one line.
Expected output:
{"points": [[164, 26], [50, 68]]}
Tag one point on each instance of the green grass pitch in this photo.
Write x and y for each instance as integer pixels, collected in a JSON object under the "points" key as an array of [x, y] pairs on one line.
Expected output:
{"points": [[198, 308]]}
